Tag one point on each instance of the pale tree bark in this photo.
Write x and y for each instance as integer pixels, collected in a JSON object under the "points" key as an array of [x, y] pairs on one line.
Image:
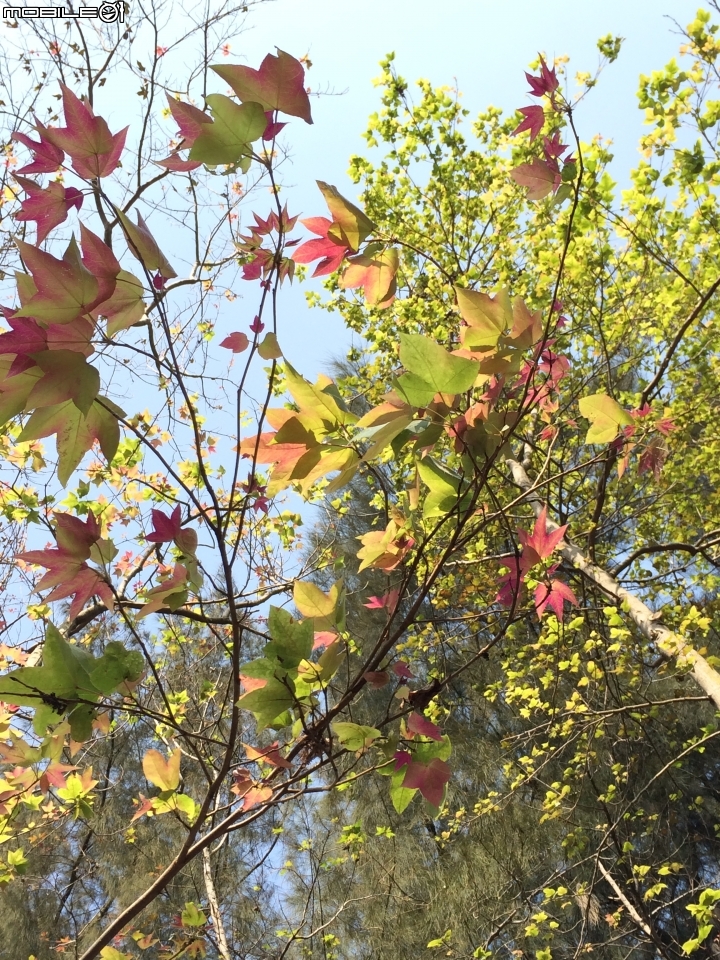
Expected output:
{"points": [[669, 644], [222, 944]]}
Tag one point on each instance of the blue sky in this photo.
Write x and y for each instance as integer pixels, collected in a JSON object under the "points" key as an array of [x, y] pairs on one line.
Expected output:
{"points": [[484, 47]]}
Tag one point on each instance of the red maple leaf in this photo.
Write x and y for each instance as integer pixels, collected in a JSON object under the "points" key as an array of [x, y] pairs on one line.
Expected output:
{"points": [[552, 595], [237, 342], [26, 336], [417, 724], [165, 528], [47, 207], [269, 755], [510, 584], [279, 84], [323, 638], [533, 120], [54, 776], [101, 262], [190, 121], [95, 152], [553, 148], [273, 128], [46, 156], [67, 571], [177, 165], [653, 457], [540, 544], [428, 778], [388, 601], [547, 82], [329, 249], [402, 670]]}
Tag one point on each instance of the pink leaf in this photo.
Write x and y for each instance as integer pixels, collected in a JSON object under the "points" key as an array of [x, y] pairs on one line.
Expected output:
{"points": [[47, 207], [510, 584], [402, 670], [417, 724], [429, 779], [387, 602], [540, 544], [539, 176], [190, 121], [323, 638], [533, 120], [546, 83], [46, 156], [95, 152], [165, 528], [175, 164], [273, 128], [377, 678], [553, 596], [237, 342], [279, 84]]}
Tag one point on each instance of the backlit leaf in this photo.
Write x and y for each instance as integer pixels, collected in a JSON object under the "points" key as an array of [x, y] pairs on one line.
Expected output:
{"points": [[162, 773], [606, 417]]}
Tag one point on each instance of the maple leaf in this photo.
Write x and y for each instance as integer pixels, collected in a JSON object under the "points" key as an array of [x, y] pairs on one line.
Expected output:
{"points": [[402, 670], [46, 156], [76, 432], [143, 245], [377, 678], [54, 775], [177, 165], [330, 250], [540, 544], [47, 207], [125, 307], [666, 426], [162, 773], [533, 120], [95, 152], [190, 121], [546, 83], [552, 595], [539, 176], [242, 782], [65, 288], [273, 128], [102, 263], [510, 584], [653, 457], [165, 528], [428, 778], [256, 796], [417, 724], [237, 342], [269, 755], [387, 602], [67, 571], [375, 274], [144, 805], [25, 336], [279, 84], [170, 593], [553, 148], [323, 638]]}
